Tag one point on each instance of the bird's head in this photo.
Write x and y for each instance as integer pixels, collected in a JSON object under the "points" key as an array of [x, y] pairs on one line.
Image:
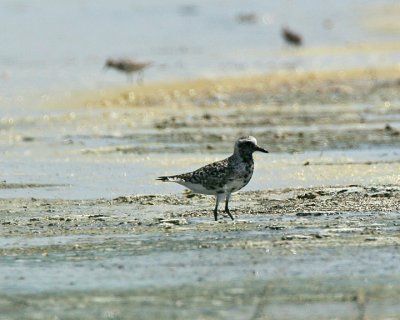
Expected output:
{"points": [[245, 146], [109, 63]]}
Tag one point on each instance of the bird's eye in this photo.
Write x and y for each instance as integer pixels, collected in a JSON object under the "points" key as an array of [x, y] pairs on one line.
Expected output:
{"points": [[247, 144]]}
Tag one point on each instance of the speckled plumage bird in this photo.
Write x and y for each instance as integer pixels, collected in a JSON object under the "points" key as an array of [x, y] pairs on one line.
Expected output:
{"points": [[129, 67], [224, 177]]}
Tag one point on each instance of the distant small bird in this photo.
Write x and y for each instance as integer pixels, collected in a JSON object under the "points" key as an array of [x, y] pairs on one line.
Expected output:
{"points": [[129, 67], [291, 37], [224, 177]]}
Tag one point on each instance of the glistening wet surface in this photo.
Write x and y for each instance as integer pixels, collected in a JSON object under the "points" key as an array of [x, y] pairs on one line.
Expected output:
{"points": [[87, 233], [92, 153], [85, 177]]}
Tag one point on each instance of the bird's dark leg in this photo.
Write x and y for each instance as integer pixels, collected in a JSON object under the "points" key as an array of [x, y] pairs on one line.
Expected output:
{"points": [[216, 213], [228, 196], [217, 200]]}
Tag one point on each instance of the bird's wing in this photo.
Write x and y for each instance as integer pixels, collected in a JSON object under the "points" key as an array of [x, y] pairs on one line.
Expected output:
{"points": [[211, 174]]}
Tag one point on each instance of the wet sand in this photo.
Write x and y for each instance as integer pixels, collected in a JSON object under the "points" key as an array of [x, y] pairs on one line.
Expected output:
{"points": [[301, 252]]}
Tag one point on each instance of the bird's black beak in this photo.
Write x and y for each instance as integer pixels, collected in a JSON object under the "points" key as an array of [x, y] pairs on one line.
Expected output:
{"points": [[261, 149]]}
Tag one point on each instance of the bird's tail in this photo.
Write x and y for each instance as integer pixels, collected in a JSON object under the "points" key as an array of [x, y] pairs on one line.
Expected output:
{"points": [[165, 178], [178, 178]]}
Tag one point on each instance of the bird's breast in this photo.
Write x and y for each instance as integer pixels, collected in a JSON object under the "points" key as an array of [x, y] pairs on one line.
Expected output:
{"points": [[240, 177]]}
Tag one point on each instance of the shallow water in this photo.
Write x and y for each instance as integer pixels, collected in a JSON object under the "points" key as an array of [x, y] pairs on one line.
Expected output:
{"points": [[172, 259], [85, 177], [173, 269]]}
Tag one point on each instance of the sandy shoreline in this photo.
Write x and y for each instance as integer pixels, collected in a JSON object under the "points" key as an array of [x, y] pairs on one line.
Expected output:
{"points": [[276, 88]]}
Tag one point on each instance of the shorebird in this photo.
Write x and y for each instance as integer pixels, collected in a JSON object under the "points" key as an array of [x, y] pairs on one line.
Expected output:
{"points": [[129, 67], [224, 177], [291, 37]]}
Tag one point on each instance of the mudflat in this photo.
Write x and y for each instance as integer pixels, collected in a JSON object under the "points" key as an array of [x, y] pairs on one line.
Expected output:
{"points": [[82, 237]]}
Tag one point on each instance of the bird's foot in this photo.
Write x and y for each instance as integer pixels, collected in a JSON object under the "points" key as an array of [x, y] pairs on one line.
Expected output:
{"points": [[229, 213], [216, 215]]}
